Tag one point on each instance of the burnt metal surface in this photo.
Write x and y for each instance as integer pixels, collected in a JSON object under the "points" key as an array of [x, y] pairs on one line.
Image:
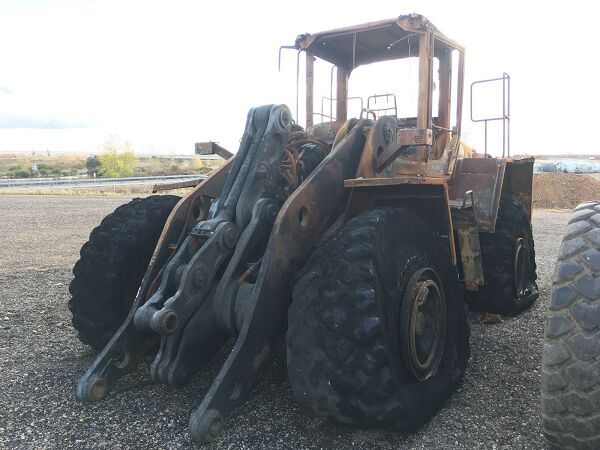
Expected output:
{"points": [[394, 181], [428, 196], [423, 323], [180, 307], [518, 179], [212, 148], [484, 177], [383, 40], [189, 275], [470, 256], [302, 219], [129, 345], [386, 144], [213, 323], [403, 37], [178, 185], [223, 266]]}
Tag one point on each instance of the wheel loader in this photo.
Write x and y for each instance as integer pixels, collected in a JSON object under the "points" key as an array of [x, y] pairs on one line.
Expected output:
{"points": [[355, 243]]}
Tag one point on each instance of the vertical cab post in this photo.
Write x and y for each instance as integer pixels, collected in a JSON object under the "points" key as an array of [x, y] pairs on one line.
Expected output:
{"points": [[425, 80], [425, 87], [460, 90], [444, 103], [342, 95], [310, 66]]}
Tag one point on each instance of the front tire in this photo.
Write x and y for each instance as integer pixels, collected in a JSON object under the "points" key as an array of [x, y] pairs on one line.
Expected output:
{"points": [[112, 265], [571, 359], [348, 342]]}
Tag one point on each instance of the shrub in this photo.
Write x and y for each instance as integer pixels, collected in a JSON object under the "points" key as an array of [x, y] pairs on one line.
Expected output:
{"points": [[197, 163], [22, 173]]}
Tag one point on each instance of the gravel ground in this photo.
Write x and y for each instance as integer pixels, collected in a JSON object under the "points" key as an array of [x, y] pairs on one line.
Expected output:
{"points": [[41, 360]]}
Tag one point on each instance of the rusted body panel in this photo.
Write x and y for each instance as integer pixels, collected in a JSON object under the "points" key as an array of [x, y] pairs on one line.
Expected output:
{"points": [[489, 180], [426, 195], [385, 143], [518, 179], [189, 210], [371, 42], [459, 204], [176, 185], [212, 148], [482, 177], [303, 218], [470, 256]]}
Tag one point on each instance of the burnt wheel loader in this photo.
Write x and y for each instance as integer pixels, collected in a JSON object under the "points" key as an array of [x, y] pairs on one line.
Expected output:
{"points": [[354, 241]]}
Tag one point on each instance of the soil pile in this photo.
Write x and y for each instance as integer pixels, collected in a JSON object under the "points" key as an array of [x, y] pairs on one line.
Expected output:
{"points": [[563, 190]]}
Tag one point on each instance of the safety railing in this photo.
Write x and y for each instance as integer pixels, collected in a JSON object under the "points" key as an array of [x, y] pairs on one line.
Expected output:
{"points": [[388, 105], [505, 117], [322, 115]]}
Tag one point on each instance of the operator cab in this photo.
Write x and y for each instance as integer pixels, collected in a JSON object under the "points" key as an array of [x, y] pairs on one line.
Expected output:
{"points": [[411, 40]]}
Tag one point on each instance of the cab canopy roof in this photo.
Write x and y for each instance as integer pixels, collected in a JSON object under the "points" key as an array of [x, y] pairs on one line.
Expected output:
{"points": [[371, 42]]}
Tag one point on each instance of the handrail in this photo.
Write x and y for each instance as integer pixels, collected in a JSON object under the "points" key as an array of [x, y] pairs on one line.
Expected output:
{"points": [[505, 117]]}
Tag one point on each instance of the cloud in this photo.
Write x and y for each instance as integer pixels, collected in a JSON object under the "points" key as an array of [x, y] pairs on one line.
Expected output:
{"points": [[18, 112], [15, 121]]}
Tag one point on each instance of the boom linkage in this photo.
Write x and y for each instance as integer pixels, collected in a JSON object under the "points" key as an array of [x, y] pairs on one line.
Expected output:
{"points": [[205, 287]]}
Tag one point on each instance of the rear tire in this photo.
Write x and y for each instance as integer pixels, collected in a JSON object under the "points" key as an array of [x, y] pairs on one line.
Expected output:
{"points": [[112, 265], [571, 360], [344, 339], [508, 258]]}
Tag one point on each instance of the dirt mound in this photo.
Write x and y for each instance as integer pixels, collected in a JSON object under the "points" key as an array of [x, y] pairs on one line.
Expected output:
{"points": [[563, 190]]}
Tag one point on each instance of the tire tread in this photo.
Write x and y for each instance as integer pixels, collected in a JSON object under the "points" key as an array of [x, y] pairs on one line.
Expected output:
{"points": [[571, 358], [123, 242], [339, 363]]}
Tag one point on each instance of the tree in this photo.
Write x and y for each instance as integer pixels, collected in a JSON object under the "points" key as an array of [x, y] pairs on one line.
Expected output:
{"points": [[117, 159], [92, 164]]}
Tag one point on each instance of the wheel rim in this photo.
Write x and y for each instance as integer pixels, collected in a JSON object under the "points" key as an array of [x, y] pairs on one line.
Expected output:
{"points": [[423, 324], [521, 265]]}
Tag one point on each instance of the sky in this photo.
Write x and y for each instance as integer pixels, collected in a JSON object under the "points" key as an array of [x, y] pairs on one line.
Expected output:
{"points": [[166, 74]]}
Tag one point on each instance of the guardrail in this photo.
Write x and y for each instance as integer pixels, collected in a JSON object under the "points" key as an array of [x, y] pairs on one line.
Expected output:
{"points": [[91, 182]]}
